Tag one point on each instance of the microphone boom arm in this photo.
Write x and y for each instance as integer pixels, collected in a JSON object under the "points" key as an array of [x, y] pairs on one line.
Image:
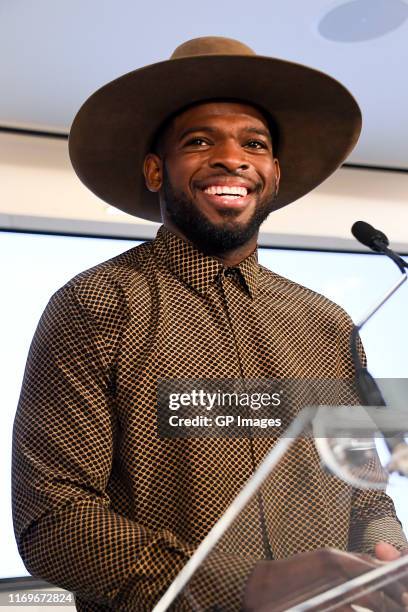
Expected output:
{"points": [[386, 297], [367, 387]]}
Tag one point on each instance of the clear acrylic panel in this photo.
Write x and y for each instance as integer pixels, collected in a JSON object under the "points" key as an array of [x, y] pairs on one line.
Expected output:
{"points": [[287, 543]]}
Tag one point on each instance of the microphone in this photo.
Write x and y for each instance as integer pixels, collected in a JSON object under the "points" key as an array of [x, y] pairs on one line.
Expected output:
{"points": [[375, 240], [367, 387], [369, 236]]}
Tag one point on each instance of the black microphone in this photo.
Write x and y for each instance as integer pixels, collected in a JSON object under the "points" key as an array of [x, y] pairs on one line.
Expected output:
{"points": [[369, 236], [375, 240]]}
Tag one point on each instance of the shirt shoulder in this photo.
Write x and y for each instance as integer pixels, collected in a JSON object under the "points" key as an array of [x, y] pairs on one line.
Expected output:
{"points": [[299, 299], [121, 269], [106, 290]]}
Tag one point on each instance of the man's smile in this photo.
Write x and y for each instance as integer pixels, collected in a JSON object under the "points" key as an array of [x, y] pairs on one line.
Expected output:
{"points": [[235, 191], [227, 193], [232, 198]]}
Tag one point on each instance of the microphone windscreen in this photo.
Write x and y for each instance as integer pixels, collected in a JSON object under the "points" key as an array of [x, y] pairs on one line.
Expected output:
{"points": [[368, 235]]}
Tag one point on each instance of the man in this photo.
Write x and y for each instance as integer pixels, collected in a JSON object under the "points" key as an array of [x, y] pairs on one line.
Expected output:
{"points": [[103, 505]]}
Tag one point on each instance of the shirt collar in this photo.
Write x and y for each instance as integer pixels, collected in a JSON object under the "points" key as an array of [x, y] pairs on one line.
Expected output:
{"points": [[197, 269]]}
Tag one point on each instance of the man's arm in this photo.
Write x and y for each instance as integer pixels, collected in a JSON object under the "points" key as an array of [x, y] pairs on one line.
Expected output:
{"points": [[373, 516], [63, 443]]}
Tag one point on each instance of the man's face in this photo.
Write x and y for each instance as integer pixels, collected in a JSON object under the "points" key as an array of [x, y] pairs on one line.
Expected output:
{"points": [[217, 178]]}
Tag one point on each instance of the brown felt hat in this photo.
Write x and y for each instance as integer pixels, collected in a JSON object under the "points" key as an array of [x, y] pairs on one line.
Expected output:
{"points": [[318, 119]]}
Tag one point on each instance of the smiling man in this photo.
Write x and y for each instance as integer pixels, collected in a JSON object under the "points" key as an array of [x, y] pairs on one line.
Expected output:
{"points": [[218, 176], [103, 505]]}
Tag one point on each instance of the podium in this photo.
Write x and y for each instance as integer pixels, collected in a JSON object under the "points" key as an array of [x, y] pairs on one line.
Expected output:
{"points": [[258, 559]]}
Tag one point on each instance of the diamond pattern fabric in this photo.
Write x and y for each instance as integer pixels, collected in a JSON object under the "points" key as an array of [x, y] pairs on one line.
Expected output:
{"points": [[107, 509]]}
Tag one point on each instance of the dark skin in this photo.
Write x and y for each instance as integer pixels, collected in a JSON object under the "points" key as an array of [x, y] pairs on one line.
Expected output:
{"points": [[229, 144], [233, 146]]}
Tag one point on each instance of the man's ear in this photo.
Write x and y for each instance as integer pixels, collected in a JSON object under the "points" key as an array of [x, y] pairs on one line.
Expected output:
{"points": [[153, 172], [277, 175]]}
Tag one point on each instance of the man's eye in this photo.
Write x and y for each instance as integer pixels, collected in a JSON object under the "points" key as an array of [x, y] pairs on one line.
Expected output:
{"points": [[196, 141], [257, 144]]}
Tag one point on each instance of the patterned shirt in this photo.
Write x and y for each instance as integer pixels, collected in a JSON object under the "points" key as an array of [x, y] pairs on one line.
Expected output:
{"points": [[104, 506]]}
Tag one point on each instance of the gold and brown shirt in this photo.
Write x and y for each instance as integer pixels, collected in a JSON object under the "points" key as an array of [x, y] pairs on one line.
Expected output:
{"points": [[106, 508]]}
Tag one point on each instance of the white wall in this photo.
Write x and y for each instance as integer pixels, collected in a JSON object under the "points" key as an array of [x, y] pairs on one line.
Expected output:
{"points": [[39, 190]]}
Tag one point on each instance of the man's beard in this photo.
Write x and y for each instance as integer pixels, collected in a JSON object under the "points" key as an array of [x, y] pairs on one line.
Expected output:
{"points": [[208, 237]]}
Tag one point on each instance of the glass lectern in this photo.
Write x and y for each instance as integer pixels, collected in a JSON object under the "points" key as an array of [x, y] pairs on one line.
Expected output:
{"points": [[265, 554]]}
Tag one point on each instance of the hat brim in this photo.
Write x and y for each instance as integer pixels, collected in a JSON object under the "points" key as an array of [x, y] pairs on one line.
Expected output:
{"points": [[318, 119]]}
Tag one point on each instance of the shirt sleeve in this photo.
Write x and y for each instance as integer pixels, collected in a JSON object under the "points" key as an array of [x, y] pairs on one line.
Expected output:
{"points": [[373, 516], [63, 447]]}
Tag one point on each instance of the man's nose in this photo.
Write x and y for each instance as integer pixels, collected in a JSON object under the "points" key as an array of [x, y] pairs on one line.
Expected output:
{"points": [[229, 155]]}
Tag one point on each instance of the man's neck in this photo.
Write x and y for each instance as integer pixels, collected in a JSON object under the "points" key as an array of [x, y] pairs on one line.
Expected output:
{"points": [[234, 257], [228, 258]]}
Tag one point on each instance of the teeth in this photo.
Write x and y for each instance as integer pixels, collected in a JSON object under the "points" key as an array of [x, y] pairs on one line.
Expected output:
{"points": [[226, 190]]}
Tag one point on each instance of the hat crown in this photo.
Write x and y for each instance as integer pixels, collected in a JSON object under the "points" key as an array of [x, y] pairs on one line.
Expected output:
{"points": [[211, 45]]}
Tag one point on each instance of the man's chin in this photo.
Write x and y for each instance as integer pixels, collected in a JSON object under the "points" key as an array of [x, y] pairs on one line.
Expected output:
{"points": [[229, 231], [229, 225], [216, 239]]}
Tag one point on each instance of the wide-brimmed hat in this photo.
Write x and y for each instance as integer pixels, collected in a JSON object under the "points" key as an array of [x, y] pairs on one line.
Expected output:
{"points": [[318, 119]]}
